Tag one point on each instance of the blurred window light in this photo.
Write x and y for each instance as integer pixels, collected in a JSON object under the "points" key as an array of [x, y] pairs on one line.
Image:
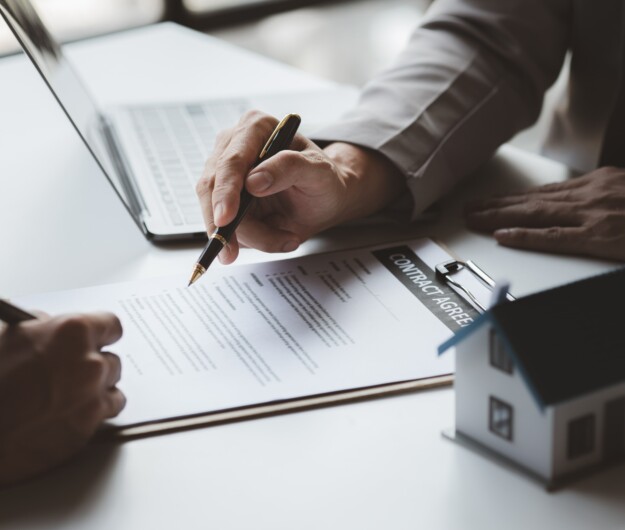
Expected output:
{"points": [[75, 19]]}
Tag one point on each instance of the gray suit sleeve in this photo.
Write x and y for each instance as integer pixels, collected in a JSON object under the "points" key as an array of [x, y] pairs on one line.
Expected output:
{"points": [[473, 74]]}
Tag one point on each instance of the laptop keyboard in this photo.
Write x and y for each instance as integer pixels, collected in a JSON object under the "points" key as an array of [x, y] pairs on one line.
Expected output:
{"points": [[176, 140]]}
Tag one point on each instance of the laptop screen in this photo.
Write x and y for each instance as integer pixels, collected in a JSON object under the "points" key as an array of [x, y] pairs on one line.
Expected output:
{"points": [[46, 54], [68, 89]]}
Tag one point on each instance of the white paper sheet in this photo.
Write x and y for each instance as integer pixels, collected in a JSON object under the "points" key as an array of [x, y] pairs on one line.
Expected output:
{"points": [[269, 331]]}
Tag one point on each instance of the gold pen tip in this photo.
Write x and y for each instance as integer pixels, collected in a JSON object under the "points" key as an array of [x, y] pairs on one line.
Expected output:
{"points": [[197, 273]]}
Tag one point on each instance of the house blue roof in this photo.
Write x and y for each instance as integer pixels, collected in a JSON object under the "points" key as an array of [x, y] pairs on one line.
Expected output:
{"points": [[567, 341]]}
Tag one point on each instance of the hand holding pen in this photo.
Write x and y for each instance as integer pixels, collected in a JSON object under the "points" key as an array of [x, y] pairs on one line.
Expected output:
{"points": [[298, 192], [60, 357], [279, 140]]}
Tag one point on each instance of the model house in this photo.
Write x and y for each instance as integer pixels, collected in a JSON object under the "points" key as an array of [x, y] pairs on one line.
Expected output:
{"points": [[541, 380]]}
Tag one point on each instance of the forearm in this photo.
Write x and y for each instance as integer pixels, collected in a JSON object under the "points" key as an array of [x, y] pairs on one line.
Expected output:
{"points": [[472, 75]]}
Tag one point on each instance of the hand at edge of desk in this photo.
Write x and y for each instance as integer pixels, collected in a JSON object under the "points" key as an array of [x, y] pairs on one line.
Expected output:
{"points": [[56, 388], [583, 216], [300, 191]]}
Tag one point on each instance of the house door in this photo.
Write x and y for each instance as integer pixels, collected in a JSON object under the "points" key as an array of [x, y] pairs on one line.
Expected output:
{"points": [[614, 430]]}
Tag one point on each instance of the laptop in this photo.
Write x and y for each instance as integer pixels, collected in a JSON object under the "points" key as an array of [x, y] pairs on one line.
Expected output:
{"points": [[153, 154]]}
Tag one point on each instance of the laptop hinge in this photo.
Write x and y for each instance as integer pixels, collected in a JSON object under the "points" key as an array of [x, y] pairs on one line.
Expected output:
{"points": [[130, 191]]}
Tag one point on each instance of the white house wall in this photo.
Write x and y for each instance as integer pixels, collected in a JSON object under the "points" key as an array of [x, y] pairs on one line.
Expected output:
{"points": [[476, 380], [589, 404]]}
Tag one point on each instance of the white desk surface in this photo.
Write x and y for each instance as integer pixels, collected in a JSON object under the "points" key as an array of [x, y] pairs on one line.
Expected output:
{"points": [[379, 464]]}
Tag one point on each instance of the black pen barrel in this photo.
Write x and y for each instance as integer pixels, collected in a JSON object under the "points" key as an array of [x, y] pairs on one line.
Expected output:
{"points": [[281, 139]]}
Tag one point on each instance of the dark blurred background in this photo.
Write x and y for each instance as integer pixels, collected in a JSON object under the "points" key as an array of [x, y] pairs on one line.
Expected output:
{"points": [[347, 41], [319, 36]]}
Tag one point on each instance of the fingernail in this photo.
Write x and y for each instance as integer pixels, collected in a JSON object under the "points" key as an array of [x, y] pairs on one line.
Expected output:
{"points": [[290, 246], [218, 212], [259, 182], [502, 233]]}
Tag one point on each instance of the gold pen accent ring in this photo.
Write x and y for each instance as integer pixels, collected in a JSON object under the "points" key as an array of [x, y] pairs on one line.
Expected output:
{"points": [[219, 238]]}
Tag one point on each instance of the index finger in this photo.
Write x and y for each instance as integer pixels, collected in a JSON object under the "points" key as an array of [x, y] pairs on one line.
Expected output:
{"points": [[205, 184], [105, 328], [555, 239], [234, 164]]}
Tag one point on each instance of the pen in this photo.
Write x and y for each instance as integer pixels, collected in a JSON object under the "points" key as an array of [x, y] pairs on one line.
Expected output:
{"points": [[13, 315], [279, 140]]}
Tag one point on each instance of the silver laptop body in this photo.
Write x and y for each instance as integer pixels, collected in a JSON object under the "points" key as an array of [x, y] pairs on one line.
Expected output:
{"points": [[152, 154]]}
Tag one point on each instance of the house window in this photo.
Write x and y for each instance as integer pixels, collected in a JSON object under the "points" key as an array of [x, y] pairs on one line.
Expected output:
{"points": [[500, 416], [581, 436], [499, 358]]}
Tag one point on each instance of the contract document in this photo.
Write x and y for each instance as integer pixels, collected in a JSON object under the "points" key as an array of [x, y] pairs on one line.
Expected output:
{"points": [[260, 333]]}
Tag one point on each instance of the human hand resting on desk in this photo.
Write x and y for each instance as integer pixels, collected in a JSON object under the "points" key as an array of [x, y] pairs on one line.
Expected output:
{"points": [[56, 387], [585, 216], [299, 191]]}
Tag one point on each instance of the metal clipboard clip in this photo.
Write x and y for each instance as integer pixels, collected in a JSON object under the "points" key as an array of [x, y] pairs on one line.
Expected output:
{"points": [[445, 270]]}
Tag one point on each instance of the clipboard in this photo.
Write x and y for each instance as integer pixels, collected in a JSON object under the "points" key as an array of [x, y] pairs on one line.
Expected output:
{"points": [[446, 271]]}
